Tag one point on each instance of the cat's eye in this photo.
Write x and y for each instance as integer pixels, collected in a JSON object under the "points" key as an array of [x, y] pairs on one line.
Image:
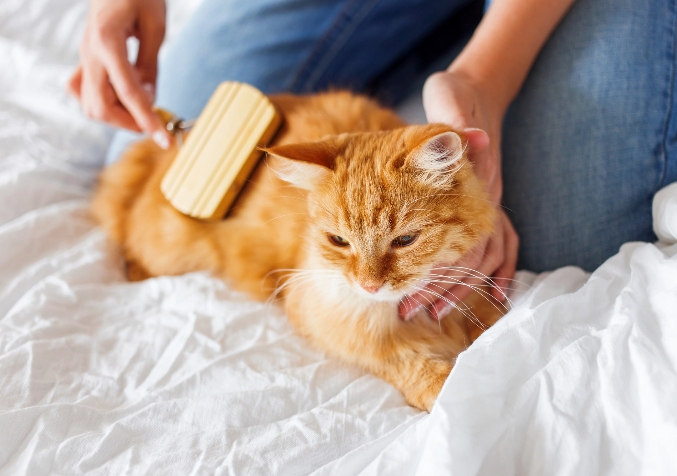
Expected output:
{"points": [[338, 240], [404, 240]]}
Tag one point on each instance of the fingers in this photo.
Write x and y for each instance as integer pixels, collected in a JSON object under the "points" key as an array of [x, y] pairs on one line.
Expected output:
{"points": [[75, 83], [131, 94], [456, 100], [414, 303], [99, 100], [107, 85], [476, 278], [504, 274], [478, 139], [450, 299], [448, 285], [455, 283], [499, 261]]}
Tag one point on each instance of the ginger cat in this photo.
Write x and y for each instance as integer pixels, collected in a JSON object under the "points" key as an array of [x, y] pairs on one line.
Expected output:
{"points": [[346, 217]]}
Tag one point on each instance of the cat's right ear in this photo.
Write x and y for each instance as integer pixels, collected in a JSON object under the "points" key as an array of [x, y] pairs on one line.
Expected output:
{"points": [[304, 165], [439, 156]]}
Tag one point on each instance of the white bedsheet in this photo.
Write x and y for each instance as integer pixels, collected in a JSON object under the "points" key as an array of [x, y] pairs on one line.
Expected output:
{"points": [[183, 376]]}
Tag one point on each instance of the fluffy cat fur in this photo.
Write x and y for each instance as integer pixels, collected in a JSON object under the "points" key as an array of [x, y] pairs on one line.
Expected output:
{"points": [[341, 166]]}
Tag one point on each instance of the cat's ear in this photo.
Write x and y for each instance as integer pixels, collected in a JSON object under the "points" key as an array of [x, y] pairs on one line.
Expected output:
{"points": [[304, 165], [438, 157]]}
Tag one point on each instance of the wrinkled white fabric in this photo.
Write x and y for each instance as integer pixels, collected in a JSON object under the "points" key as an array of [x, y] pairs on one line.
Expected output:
{"points": [[580, 378], [183, 376]]}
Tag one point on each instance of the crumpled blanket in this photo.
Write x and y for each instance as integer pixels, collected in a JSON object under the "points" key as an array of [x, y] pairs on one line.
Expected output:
{"points": [[580, 378], [181, 375]]}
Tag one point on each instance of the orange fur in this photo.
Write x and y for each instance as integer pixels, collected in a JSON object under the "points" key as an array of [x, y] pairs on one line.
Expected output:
{"points": [[359, 174]]}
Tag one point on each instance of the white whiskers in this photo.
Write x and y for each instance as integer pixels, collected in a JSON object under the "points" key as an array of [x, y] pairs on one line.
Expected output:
{"points": [[299, 277]]}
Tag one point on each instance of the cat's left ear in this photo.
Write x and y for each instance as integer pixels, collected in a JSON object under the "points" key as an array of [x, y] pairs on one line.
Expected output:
{"points": [[304, 165], [438, 157]]}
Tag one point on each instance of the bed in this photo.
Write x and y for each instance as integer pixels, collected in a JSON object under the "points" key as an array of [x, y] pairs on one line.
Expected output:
{"points": [[181, 375]]}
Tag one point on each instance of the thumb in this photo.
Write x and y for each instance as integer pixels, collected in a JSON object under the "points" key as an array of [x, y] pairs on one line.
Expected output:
{"points": [[75, 83], [478, 139]]}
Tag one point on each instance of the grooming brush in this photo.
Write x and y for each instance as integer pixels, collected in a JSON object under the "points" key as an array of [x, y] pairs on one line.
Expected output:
{"points": [[221, 151]]}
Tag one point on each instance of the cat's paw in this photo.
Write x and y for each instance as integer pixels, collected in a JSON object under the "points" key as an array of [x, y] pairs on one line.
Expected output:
{"points": [[136, 272], [424, 392]]}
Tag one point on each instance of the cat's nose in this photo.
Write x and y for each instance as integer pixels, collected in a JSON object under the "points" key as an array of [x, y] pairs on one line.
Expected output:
{"points": [[372, 288]]}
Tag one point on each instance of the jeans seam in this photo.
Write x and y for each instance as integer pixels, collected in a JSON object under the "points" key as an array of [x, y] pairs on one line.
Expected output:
{"points": [[331, 43], [671, 98]]}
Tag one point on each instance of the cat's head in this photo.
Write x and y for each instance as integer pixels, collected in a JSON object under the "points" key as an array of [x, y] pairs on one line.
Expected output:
{"points": [[386, 207]]}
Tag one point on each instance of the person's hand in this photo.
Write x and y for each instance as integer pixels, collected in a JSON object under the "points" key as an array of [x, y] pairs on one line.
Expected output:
{"points": [[456, 99], [107, 85]]}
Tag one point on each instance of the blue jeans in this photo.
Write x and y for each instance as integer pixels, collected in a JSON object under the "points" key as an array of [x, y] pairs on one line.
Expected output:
{"points": [[591, 137], [301, 46], [587, 143]]}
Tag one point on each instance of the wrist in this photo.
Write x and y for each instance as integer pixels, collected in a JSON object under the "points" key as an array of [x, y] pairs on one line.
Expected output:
{"points": [[500, 53]]}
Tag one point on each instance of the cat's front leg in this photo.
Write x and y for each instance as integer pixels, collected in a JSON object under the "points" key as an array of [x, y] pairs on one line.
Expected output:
{"points": [[420, 378], [413, 356], [423, 394]]}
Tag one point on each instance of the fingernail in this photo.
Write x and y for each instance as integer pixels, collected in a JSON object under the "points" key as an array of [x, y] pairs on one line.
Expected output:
{"points": [[161, 139], [150, 91], [412, 312], [503, 294], [446, 310]]}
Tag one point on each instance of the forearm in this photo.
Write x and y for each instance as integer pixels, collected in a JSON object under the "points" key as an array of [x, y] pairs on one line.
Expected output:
{"points": [[472, 96], [506, 43]]}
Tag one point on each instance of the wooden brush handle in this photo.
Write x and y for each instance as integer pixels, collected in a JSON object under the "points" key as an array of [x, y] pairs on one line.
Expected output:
{"points": [[221, 151]]}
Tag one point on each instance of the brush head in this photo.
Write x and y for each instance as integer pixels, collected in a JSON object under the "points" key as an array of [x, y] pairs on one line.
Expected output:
{"points": [[221, 151]]}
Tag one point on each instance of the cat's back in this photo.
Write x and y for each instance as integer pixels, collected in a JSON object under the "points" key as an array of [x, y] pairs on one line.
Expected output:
{"points": [[306, 119], [312, 117], [270, 215]]}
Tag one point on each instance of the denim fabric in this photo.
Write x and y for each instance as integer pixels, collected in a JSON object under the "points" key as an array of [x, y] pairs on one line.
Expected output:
{"points": [[591, 137], [589, 140], [299, 46]]}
